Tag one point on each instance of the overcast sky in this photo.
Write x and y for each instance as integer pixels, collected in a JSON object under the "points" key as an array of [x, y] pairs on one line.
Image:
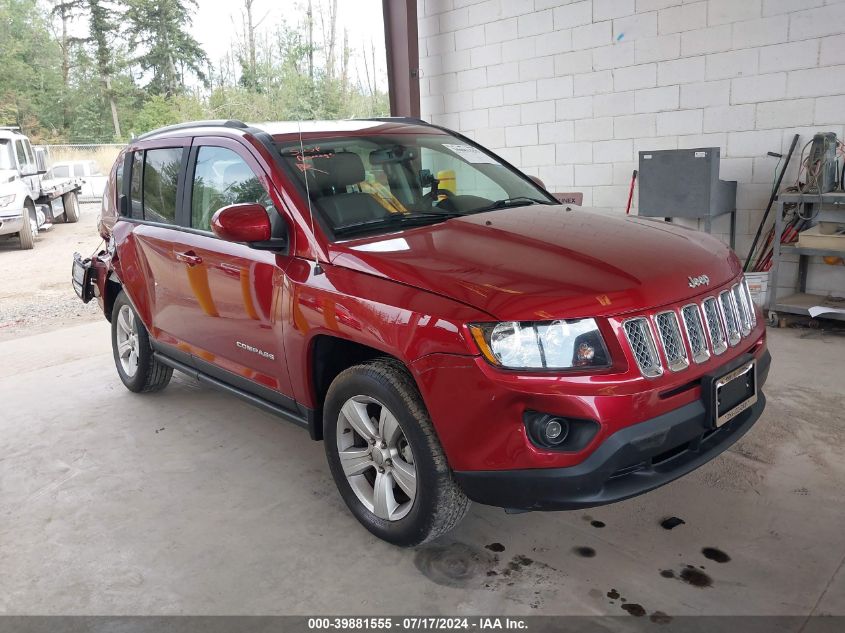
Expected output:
{"points": [[216, 23]]}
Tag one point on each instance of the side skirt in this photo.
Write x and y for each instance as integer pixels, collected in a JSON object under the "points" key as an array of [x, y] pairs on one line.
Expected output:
{"points": [[305, 421]]}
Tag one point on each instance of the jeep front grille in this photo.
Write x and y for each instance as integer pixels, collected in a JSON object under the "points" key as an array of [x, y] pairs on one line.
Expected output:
{"points": [[742, 309], [695, 333], [671, 340], [709, 327], [752, 311], [714, 325], [729, 314], [639, 336]]}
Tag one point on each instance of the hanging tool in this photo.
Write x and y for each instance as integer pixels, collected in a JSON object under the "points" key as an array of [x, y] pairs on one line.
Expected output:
{"points": [[772, 197], [631, 192]]}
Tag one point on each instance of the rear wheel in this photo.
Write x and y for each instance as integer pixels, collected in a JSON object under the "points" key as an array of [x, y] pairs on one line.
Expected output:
{"points": [[133, 355], [385, 456], [71, 205], [30, 227]]}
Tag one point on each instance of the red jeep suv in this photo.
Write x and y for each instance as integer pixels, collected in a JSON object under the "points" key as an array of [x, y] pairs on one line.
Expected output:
{"points": [[449, 329]]}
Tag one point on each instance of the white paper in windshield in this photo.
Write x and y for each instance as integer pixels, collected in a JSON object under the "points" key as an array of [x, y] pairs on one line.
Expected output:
{"points": [[469, 154]]}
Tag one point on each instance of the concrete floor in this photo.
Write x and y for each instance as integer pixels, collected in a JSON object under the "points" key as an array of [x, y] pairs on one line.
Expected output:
{"points": [[191, 502]]}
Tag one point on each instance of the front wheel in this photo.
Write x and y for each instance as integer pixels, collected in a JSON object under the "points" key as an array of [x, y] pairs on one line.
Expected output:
{"points": [[385, 456], [30, 227], [138, 369], [71, 205]]}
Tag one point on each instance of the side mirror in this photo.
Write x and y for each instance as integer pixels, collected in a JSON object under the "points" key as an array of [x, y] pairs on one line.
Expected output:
{"points": [[247, 222], [538, 182], [29, 169]]}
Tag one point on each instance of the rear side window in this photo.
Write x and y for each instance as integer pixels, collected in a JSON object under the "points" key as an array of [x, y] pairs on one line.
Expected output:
{"points": [[161, 175], [118, 177], [135, 193], [222, 178], [62, 171]]}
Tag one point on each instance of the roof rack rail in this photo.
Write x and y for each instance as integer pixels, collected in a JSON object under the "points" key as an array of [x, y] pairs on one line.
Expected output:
{"points": [[232, 123], [399, 119]]}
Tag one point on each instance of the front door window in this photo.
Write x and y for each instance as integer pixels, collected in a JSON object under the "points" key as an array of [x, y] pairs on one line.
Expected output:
{"points": [[222, 178]]}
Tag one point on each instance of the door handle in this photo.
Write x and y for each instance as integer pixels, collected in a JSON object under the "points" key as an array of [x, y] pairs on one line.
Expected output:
{"points": [[189, 257]]}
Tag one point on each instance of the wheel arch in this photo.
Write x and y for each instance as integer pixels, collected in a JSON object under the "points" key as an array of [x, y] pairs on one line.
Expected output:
{"points": [[111, 289], [330, 355]]}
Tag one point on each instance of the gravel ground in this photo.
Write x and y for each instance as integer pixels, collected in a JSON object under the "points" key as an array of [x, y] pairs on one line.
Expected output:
{"points": [[35, 290]]}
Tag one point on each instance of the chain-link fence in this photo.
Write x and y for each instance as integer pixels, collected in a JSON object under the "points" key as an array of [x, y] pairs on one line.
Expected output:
{"points": [[90, 162], [103, 154]]}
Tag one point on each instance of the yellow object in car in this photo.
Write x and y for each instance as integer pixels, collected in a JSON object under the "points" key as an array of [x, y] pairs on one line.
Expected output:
{"points": [[382, 195], [446, 180]]}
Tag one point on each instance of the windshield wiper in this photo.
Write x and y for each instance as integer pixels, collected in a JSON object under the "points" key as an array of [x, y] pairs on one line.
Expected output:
{"points": [[397, 220], [517, 201]]}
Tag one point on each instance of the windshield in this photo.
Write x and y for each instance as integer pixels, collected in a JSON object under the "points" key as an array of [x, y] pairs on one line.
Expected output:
{"points": [[7, 160], [378, 183]]}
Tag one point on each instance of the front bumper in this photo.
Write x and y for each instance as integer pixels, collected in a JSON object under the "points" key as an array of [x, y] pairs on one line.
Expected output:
{"points": [[628, 463], [11, 221]]}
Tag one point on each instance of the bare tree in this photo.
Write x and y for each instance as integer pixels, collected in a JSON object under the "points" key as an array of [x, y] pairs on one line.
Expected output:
{"points": [[64, 10], [330, 37], [344, 60], [102, 27], [310, 19]]}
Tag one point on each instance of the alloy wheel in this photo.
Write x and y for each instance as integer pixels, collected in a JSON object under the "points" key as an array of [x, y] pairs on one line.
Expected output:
{"points": [[376, 458], [127, 340]]}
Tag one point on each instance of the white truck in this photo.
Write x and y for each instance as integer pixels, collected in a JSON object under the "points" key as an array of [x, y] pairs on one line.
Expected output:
{"points": [[28, 203], [93, 180]]}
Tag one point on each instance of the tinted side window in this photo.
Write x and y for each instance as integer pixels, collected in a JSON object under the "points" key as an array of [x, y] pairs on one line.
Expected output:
{"points": [[21, 152], [221, 178], [118, 177], [62, 171], [30, 155], [136, 206], [161, 173]]}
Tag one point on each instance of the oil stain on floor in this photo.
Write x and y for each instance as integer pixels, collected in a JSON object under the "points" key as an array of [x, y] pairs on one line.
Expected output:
{"points": [[714, 554], [584, 551]]}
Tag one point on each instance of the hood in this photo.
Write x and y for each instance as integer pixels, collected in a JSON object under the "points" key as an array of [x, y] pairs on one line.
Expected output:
{"points": [[545, 262]]}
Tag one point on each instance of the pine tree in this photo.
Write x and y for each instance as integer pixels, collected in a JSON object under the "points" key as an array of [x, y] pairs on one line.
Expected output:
{"points": [[158, 35]]}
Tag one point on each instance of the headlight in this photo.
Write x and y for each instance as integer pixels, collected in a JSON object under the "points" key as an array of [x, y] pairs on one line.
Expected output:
{"points": [[6, 200], [542, 344]]}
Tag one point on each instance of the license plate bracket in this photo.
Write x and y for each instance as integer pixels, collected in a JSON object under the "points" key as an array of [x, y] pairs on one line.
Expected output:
{"points": [[731, 392]]}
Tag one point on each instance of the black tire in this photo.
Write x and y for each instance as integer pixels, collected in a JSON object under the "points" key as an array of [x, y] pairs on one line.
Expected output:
{"points": [[71, 205], [27, 234], [439, 504], [150, 374]]}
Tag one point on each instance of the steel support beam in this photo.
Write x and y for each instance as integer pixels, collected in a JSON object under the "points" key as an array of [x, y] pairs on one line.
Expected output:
{"points": [[403, 56]]}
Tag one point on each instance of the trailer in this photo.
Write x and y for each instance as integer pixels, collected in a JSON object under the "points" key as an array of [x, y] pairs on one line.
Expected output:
{"points": [[29, 203]]}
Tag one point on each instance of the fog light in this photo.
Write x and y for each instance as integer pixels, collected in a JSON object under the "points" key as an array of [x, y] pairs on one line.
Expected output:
{"points": [[549, 430], [553, 430]]}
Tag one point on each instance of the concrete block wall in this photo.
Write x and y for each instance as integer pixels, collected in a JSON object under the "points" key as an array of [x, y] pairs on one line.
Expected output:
{"points": [[571, 91]]}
